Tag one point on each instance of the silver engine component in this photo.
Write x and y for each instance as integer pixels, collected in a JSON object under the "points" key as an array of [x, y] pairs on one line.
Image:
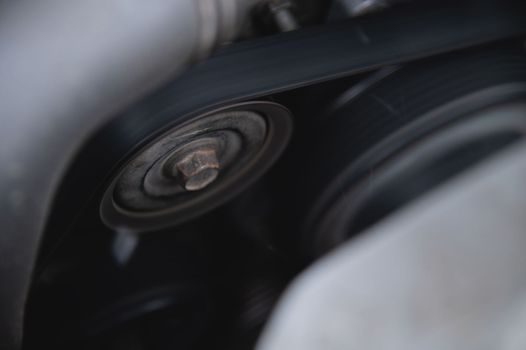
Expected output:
{"points": [[447, 272]]}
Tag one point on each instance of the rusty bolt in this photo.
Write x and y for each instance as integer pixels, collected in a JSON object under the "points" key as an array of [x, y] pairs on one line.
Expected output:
{"points": [[197, 169]]}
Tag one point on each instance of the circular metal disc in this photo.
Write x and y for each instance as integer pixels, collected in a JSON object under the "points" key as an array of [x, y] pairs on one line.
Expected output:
{"points": [[249, 137]]}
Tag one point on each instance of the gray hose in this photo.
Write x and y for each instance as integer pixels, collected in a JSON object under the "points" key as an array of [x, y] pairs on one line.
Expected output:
{"points": [[66, 67]]}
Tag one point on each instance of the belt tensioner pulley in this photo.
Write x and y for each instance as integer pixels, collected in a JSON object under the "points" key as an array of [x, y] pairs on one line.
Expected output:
{"points": [[195, 166]]}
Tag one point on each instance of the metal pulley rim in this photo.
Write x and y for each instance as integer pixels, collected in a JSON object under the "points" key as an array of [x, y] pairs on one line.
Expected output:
{"points": [[252, 161], [331, 219]]}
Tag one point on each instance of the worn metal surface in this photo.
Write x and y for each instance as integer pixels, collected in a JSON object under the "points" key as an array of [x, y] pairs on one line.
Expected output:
{"points": [[66, 67], [247, 137], [448, 272]]}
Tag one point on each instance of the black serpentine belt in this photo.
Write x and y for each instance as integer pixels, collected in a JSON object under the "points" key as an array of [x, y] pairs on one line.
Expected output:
{"points": [[260, 67]]}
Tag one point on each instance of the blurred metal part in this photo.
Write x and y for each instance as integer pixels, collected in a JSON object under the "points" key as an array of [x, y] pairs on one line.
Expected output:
{"points": [[361, 7], [220, 21], [448, 272], [123, 247], [353, 8], [284, 18], [66, 67]]}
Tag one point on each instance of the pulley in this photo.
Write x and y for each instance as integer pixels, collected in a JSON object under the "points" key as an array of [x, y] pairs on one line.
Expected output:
{"points": [[196, 166], [415, 129]]}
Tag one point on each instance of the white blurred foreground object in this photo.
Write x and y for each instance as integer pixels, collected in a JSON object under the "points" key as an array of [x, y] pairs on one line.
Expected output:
{"points": [[447, 272]]}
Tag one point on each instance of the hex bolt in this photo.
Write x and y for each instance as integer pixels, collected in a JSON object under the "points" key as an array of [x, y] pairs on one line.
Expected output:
{"points": [[197, 169]]}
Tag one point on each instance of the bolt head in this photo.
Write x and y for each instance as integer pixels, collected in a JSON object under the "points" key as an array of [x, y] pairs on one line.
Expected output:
{"points": [[197, 169]]}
